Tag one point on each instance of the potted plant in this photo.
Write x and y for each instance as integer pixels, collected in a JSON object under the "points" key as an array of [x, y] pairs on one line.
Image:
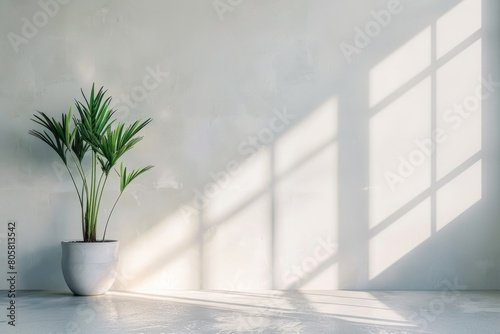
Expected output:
{"points": [[90, 146]]}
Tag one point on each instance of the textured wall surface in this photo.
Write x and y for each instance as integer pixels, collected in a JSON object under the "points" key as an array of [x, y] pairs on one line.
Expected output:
{"points": [[297, 144]]}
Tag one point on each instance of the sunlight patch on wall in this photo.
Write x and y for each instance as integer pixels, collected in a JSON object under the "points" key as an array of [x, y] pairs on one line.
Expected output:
{"points": [[306, 218], [86, 69], [458, 195], [399, 238], [158, 257], [229, 191], [236, 251], [306, 213], [456, 25], [400, 66], [237, 226], [316, 130], [399, 161], [402, 148], [458, 99]]}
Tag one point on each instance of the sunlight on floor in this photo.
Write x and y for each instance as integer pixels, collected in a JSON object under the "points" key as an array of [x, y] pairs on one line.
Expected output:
{"points": [[357, 307], [269, 311]]}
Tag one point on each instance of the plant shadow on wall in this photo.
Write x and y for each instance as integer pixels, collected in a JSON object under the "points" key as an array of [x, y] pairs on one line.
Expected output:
{"points": [[355, 203]]}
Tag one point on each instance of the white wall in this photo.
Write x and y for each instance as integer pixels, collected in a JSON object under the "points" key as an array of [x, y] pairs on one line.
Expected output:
{"points": [[344, 190]]}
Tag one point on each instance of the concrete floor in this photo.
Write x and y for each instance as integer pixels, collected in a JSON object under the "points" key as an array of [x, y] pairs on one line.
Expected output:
{"points": [[256, 312]]}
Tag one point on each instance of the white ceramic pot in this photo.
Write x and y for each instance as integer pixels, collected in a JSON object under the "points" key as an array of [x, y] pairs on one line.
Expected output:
{"points": [[89, 268]]}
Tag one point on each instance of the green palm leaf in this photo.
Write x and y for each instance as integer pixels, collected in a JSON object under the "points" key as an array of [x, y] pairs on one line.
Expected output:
{"points": [[92, 131], [95, 116], [126, 178], [60, 136], [116, 142]]}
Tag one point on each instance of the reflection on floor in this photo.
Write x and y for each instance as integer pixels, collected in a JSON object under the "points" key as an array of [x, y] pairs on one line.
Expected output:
{"points": [[449, 311]]}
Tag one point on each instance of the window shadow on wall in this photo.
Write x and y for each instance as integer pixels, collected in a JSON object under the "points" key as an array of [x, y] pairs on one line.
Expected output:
{"points": [[360, 192]]}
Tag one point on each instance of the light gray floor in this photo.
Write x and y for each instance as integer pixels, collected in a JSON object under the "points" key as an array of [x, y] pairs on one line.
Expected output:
{"points": [[256, 312]]}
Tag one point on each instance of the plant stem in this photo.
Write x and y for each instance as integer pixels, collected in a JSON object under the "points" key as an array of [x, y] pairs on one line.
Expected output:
{"points": [[93, 197], [83, 192], [109, 216], [101, 192]]}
